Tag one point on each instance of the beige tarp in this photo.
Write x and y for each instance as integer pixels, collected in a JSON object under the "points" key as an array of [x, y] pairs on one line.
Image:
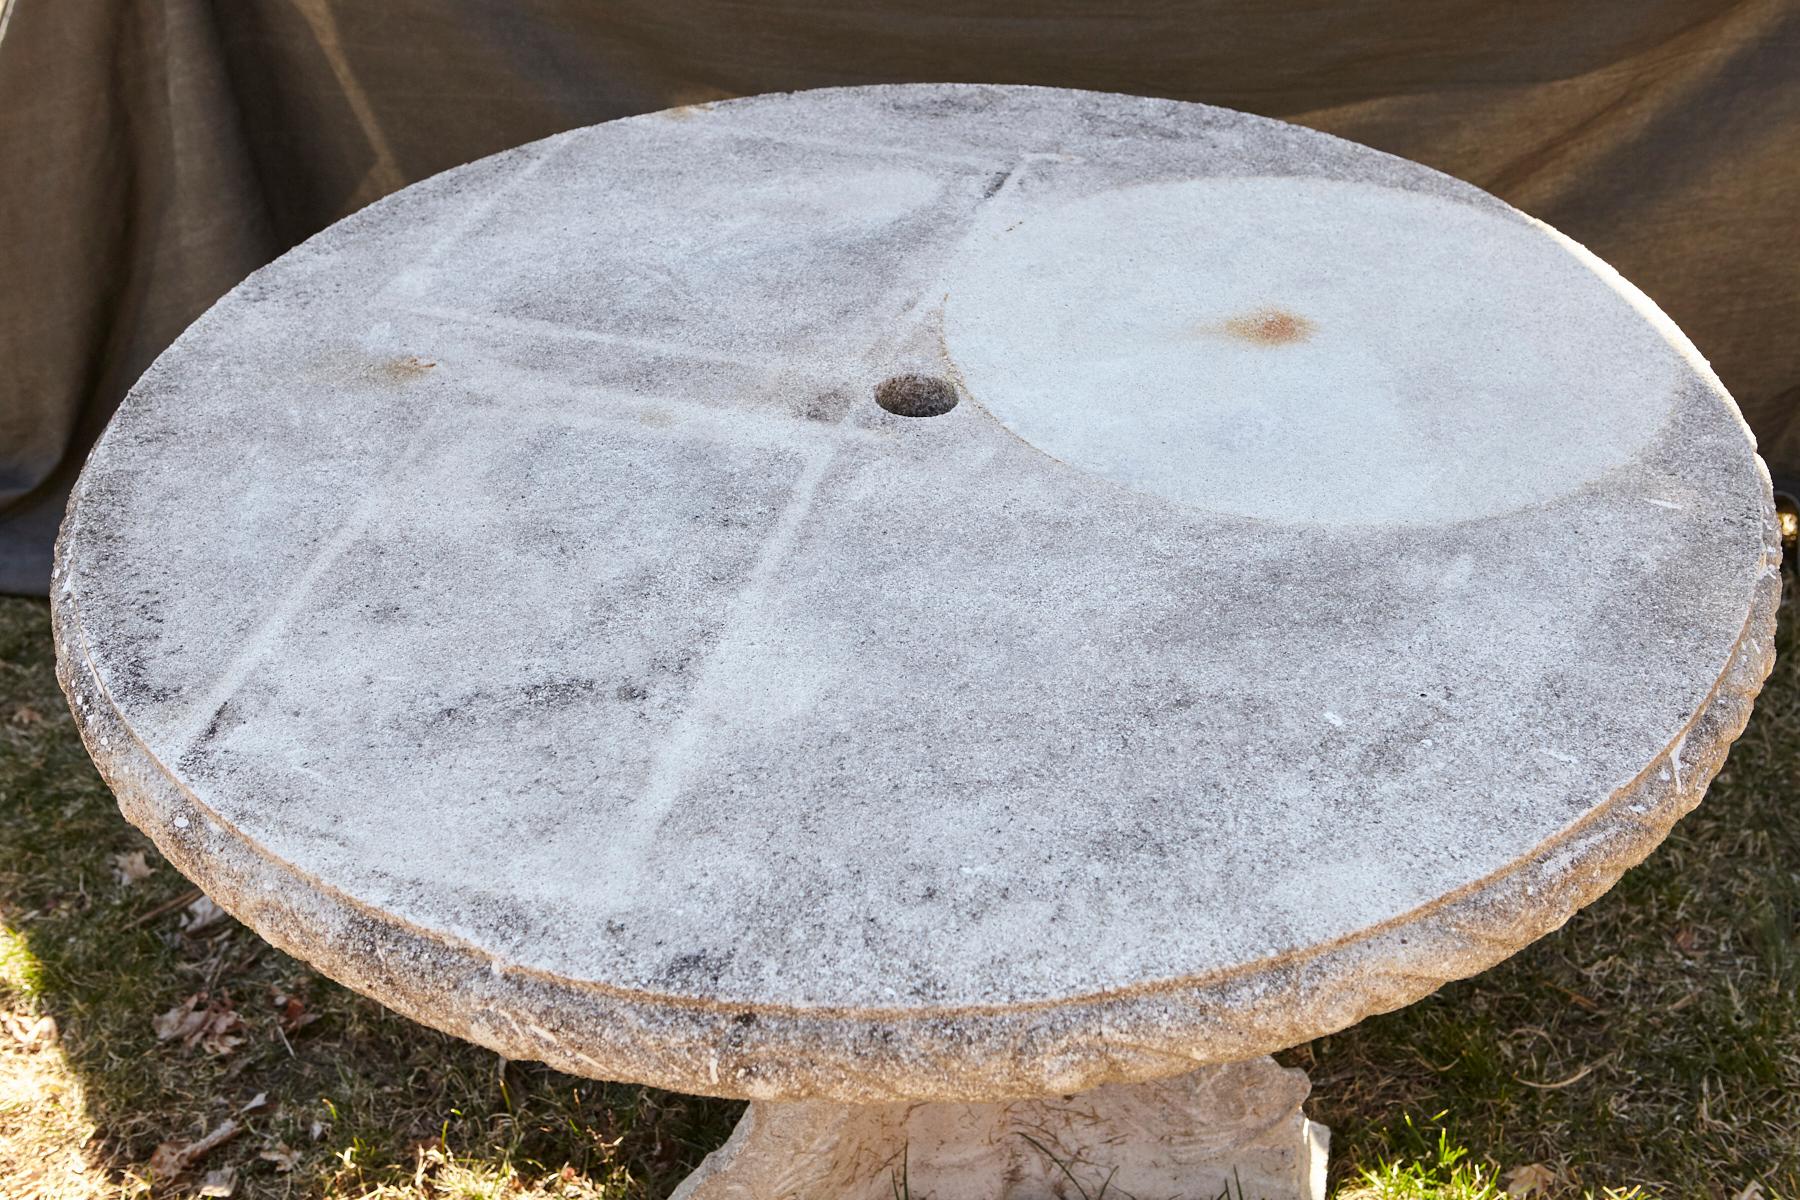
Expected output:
{"points": [[153, 152]]}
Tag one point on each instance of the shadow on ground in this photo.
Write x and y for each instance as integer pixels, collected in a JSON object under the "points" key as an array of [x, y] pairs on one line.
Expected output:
{"points": [[355, 1099]]}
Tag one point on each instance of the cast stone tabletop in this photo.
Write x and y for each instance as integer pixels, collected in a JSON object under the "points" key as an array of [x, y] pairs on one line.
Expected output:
{"points": [[1288, 578]]}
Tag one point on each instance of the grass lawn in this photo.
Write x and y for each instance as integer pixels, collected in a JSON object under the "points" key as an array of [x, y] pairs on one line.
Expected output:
{"points": [[1652, 1044]]}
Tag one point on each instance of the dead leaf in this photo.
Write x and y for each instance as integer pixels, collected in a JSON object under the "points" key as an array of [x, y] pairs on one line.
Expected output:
{"points": [[221, 1035], [181, 1020], [255, 1103], [127, 869], [24, 715], [202, 1020], [290, 1012], [201, 914], [282, 1155], [1752, 1191], [316, 1131], [168, 1160], [1687, 940], [31, 1033], [221, 1182], [1530, 1179], [172, 1158]]}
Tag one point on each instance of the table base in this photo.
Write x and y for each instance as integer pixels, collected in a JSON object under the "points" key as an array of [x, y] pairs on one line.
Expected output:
{"points": [[1232, 1131]]}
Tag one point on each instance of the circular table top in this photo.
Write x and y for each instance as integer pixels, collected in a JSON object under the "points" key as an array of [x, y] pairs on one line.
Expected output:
{"points": [[531, 602]]}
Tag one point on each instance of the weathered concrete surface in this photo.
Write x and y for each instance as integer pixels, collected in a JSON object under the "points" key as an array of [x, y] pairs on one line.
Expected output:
{"points": [[514, 601], [1233, 1130]]}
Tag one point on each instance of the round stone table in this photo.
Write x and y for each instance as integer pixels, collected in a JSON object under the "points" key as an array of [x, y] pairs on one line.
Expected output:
{"points": [[965, 615]]}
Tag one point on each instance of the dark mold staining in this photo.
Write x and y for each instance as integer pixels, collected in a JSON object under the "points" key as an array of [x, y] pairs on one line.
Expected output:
{"points": [[946, 101], [1157, 120], [741, 1029], [224, 720], [677, 664], [916, 395], [561, 692], [995, 184], [1270, 327], [388, 613], [827, 407], [557, 692], [725, 517], [214, 727], [131, 679], [700, 968]]}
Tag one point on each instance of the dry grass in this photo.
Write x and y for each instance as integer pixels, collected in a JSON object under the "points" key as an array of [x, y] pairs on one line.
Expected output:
{"points": [[44, 1123], [358, 1101], [1654, 1042]]}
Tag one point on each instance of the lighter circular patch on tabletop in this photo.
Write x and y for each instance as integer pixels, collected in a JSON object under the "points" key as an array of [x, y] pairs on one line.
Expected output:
{"points": [[1308, 350]]}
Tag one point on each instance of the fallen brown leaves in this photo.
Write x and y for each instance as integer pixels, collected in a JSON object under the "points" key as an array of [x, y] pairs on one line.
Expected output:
{"points": [[1530, 1180], [172, 1158], [45, 1128], [24, 716], [290, 1012], [31, 1033], [282, 1155], [203, 1020]]}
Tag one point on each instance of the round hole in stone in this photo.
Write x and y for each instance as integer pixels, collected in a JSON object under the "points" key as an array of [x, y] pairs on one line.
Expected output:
{"points": [[916, 395]]}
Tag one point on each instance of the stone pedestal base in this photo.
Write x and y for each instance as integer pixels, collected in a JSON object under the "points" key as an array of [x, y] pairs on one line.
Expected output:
{"points": [[1227, 1131]]}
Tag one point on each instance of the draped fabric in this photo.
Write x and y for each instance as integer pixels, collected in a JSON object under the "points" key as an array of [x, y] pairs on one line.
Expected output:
{"points": [[154, 152]]}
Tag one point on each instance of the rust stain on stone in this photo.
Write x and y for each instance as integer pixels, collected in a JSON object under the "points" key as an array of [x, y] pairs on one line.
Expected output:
{"points": [[1270, 327], [402, 369]]}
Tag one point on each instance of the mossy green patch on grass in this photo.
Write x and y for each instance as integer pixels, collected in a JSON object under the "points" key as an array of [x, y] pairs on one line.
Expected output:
{"points": [[1653, 1043]]}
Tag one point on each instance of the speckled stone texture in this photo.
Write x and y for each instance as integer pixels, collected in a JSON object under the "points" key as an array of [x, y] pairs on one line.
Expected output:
{"points": [[515, 602], [1226, 1131]]}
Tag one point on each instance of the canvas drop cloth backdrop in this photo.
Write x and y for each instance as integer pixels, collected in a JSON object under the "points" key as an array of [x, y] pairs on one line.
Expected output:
{"points": [[154, 152]]}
